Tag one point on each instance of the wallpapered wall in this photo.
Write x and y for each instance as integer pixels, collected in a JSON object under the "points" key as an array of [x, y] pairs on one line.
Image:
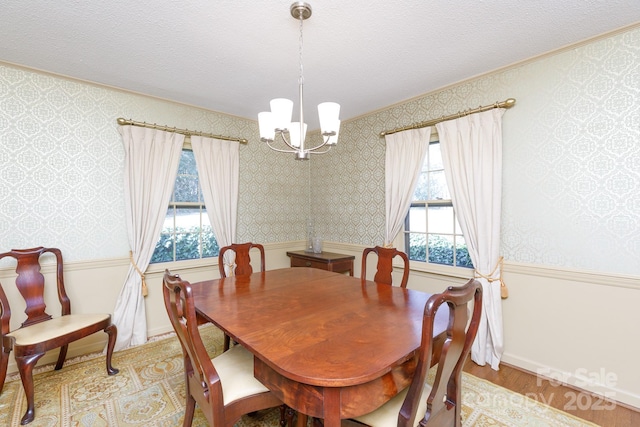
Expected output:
{"points": [[571, 162], [571, 166], [61, 179]]}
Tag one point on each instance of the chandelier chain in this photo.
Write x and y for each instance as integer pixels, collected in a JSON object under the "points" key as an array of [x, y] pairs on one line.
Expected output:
{"points": [[301, 44]]}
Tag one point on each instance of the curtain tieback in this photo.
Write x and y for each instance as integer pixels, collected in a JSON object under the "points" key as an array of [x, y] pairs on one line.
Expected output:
{"points": [[504, 291], [388, 245], [230, 268], [145, 290]]}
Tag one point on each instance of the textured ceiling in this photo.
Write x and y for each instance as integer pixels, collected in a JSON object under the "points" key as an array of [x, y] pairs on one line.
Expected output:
{"points": [[235, 55]]}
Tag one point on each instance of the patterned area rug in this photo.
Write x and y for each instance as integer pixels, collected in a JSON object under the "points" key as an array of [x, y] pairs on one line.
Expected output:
{"points": [[149, 391]]}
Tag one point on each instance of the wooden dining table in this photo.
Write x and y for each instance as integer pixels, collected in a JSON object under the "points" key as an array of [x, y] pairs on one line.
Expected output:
{"points": [[330, 346]]}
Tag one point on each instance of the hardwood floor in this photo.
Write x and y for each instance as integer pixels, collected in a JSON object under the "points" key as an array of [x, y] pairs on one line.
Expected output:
{"points": [[568, 399]]}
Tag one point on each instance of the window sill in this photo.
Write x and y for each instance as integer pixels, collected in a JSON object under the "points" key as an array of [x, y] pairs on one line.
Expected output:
{"points": [[177, 266], [441, 270]]}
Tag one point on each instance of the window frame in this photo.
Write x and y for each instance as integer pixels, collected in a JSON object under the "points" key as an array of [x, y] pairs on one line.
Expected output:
{"points": [[425, 266], [177, 265]]}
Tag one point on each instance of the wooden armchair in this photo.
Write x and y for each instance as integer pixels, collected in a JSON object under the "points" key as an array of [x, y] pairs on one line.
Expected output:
{"points": [[243, 258], [385, 265], [41, 332], [223, 387]]}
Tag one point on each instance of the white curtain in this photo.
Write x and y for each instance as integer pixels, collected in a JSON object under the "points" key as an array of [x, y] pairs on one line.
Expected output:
{"points": [[404, 155], [218, 164], [151, 164], [472, 155]]}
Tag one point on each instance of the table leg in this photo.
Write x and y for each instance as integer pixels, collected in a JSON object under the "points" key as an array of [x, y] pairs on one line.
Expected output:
{"points": [[332, 407], [301, 420]]}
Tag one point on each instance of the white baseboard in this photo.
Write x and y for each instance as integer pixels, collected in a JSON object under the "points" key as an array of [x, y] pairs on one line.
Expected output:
{"points": [[601, 384]]}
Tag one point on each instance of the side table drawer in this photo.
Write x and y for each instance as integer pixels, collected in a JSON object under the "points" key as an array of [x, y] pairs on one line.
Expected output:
{"points": [[329, 261], [300, 262]]}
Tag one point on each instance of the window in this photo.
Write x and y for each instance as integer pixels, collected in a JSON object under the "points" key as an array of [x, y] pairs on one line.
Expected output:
{"points": [[431, 231], [187, 232]]}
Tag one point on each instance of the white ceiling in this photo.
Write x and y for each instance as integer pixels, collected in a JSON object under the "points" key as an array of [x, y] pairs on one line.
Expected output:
{"points": [[235, 55]]}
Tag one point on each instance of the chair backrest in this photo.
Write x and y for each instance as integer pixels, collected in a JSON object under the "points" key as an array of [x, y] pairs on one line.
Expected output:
{"points": [[443, 403], [385, 265], [243, 258], [200, 372], [30, 282]]}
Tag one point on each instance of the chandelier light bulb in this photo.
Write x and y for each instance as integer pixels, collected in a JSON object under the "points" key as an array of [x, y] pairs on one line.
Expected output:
{"points": [[333, 140], [265, 124], [328, 112], [281, 109], [294, 134]]}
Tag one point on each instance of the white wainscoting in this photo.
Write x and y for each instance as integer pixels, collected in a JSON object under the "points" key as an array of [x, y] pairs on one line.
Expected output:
{"points": [[577, 327], [573, 326]]}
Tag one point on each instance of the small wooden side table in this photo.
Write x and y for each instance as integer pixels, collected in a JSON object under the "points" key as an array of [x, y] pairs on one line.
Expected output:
{"points": [[339, 263]]}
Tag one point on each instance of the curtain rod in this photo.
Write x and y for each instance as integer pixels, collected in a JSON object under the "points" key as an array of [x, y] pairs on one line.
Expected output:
{"points": [[186, 132], [504, 104]]}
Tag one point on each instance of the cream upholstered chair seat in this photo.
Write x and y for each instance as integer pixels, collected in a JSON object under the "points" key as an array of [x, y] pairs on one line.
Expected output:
{"points": [[41, 332], [224, 386], [387, 414], [54, 328], [235, 369]]}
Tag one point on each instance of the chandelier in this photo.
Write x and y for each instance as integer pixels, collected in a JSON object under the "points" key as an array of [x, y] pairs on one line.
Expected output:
{"points": [[276, 124]]}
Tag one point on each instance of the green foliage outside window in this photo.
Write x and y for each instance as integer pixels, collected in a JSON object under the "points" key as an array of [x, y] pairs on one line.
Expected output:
{"points": [[432, 233], [181, 237], [187, 245], [440, 251]]}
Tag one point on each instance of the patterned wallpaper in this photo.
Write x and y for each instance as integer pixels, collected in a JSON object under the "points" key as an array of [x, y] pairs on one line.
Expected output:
{"points": [[571, 194], [61, 164], [571, 181], [572, 176]]}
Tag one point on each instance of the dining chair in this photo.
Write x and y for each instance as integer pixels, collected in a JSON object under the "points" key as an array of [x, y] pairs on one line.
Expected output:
{"points": [[438, 404], [242, 266], [223, 387], [384, 267], [41, 332], [243, 258]]}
